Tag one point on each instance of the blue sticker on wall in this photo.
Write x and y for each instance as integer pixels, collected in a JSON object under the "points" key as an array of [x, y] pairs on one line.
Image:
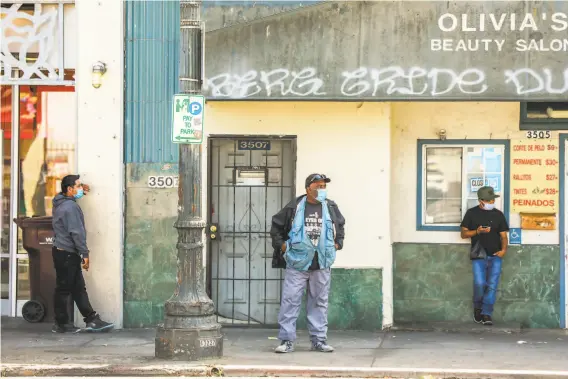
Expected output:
{"points": [[515, 236]]}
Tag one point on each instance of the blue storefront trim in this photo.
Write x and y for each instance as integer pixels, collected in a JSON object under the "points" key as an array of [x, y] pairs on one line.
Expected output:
{"points": [[562, 173]]}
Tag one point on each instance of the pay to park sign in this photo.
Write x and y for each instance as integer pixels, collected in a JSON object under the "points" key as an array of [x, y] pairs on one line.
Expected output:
{"points": [[187, 119], [534, 176]]}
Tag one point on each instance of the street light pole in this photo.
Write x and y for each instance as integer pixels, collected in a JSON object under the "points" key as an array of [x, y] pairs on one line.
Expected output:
{"points": [[190, 331]]}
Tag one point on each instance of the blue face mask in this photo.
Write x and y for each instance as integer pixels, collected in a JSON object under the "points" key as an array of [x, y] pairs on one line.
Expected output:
{"points": [[79, 194], [488, 206], [322, 195]]}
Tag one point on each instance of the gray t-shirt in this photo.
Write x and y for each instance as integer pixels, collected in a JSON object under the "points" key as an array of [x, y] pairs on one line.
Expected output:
{"points": [[312, 222]]}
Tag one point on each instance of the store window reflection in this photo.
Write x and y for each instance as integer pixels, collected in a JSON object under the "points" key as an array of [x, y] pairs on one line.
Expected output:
{"points": [[48, 135], [46, 153]]}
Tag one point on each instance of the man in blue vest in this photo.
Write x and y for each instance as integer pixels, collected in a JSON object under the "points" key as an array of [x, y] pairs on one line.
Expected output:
{"points": [[306, 234]]}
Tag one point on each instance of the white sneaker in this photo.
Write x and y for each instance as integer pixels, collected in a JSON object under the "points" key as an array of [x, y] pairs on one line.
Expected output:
{"points": [[285, 347], [322, 347]]}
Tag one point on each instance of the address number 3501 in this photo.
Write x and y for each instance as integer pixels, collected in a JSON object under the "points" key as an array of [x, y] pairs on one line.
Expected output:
{"points": [[170, 181]]}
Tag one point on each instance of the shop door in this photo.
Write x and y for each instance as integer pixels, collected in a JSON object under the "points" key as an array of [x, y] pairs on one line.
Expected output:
{"points": [[250, 180], [9, 117], [38, 148]]}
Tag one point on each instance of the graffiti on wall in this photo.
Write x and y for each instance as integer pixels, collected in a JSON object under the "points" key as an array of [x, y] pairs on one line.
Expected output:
{"points": [[384, 82], [422, 50]]}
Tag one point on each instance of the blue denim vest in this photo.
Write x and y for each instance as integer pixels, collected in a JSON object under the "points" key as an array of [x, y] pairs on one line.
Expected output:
{"points": [[300, 250]]}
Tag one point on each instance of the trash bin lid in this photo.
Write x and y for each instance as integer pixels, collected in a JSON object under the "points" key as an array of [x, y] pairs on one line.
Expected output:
{"points": [[34, 222]]}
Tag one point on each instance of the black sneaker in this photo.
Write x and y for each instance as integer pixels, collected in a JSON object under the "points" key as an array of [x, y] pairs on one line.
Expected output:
{"points": [[98, 325], [477, 317], [67, 328], [487, 320], [285, 347]]}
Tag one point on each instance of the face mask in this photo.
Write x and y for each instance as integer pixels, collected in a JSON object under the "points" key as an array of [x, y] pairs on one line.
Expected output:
{"points": [[322, 195], [488, 206], [79, 194]]}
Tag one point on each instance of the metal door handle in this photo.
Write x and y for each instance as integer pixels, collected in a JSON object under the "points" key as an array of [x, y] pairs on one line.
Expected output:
{"points": [[213, 232]]}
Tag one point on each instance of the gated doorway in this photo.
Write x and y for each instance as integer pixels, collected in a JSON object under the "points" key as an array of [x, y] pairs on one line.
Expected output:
{"points": [[250, 180]]}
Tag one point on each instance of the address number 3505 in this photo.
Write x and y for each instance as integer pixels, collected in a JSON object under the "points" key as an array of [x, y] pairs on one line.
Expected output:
{"points": [[170, 181]]}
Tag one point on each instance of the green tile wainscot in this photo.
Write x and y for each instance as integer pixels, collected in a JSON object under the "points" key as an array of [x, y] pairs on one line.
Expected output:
{"points": [[433, 283]]}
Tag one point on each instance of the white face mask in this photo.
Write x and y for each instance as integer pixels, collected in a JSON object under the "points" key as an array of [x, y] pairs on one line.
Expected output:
{"points": [[488, 206]]}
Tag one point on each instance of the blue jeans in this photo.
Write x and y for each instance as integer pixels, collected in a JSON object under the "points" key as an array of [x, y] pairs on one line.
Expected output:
{"points": [[486, 273]]}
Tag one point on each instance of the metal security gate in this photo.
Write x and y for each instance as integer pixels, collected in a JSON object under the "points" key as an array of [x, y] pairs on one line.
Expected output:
{"points": [[250, 179]]}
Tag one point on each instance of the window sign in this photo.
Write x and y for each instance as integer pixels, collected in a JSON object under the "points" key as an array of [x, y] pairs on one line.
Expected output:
{"points": [[535, 176], [490, 180]]}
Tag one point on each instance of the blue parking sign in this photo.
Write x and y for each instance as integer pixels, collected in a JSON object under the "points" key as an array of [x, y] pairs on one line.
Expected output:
{"points": [[195, 108]]}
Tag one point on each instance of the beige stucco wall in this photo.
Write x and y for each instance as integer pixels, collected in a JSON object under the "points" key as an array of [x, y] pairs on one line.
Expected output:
{"points": [[461, 120], [349, 142], [100, 146]]}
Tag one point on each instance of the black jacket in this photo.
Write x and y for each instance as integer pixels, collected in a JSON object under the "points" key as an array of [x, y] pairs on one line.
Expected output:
{"points": [[282, 223]]}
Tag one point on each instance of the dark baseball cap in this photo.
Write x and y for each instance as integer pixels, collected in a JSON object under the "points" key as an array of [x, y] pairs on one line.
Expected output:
{"points": [[486, 193], [316, 178]]}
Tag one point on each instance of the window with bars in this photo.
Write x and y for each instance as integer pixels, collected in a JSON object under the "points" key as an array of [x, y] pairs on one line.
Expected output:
{"points": [[449, 177]]}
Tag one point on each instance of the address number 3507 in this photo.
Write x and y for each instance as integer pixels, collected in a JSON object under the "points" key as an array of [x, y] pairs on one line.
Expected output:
{"points": [[169, 181]]}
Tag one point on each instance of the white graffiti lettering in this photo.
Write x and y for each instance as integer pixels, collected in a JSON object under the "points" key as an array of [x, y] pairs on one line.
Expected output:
{"points": [[414, 81], [384, 82], [280, 83], [528, 81]]}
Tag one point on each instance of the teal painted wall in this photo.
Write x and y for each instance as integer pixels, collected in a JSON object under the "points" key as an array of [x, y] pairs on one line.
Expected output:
{"points": [[433, 282], [151, 79]]}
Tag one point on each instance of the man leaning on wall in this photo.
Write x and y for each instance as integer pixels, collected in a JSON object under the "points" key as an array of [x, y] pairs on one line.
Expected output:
{"points": [[488, 229], [70, 257]]}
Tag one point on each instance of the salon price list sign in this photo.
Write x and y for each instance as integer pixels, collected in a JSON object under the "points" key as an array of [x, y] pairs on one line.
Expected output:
{"points": [[534, 176]]}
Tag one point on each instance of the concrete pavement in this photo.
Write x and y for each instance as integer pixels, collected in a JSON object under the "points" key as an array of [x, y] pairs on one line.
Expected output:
{"points": [[31, 349]]}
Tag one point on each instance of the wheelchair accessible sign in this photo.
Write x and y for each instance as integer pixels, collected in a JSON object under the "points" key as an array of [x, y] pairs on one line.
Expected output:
{"points": [[187, 118], [515, 236]]}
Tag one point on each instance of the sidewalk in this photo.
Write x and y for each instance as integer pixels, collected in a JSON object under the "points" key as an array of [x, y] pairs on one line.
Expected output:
{"points": [[31, 349]]}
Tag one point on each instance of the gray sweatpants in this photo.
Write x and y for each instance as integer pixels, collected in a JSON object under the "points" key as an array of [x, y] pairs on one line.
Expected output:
{"points": [[295, 282]]}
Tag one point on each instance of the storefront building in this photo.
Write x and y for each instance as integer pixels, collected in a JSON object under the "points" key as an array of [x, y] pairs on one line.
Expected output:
{"points": [[60, 117], [408, 106]]}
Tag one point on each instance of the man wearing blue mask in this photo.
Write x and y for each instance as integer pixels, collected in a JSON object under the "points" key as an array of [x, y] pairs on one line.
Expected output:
{"points": [[488, 229], [70, 254], [306, 234]]}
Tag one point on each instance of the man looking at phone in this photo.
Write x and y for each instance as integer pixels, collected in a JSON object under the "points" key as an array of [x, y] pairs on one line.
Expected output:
{"points": [[488, 226]]}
